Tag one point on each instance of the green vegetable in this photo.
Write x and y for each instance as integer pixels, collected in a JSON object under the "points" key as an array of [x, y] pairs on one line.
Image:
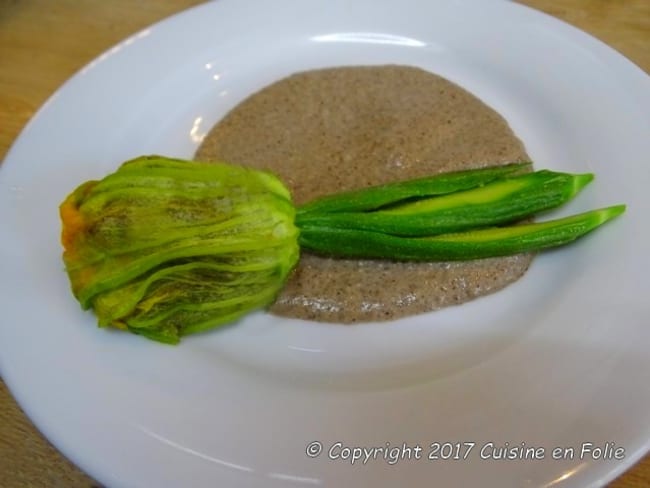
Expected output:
{"points": [[503, 201], [484, 243], [379, 196], [165, 247]]}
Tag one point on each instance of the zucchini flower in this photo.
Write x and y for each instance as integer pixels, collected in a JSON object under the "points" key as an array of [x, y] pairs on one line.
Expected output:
{"points": [[165, 248]]}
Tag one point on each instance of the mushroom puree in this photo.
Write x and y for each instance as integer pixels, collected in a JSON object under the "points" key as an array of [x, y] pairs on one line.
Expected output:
{"points": [[336, 129]]}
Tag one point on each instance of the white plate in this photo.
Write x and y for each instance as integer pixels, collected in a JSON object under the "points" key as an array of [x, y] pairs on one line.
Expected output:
{"points": [[559, 359]]}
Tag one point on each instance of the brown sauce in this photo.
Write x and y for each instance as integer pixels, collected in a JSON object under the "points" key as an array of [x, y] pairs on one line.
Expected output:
{"points": [[336, 129]]}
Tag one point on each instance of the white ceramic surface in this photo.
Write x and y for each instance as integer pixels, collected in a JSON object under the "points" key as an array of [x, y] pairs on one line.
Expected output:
{"points": [[559, 359]]}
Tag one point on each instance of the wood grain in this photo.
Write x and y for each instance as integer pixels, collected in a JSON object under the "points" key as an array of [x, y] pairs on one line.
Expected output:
{"points": [[44, 42]]}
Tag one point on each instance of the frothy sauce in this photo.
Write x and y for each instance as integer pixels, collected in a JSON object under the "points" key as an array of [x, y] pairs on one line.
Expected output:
{"points": [[337, 129]]}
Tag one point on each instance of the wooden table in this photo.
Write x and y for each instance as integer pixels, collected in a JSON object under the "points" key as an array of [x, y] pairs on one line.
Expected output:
{"points": [[44, 42]]}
